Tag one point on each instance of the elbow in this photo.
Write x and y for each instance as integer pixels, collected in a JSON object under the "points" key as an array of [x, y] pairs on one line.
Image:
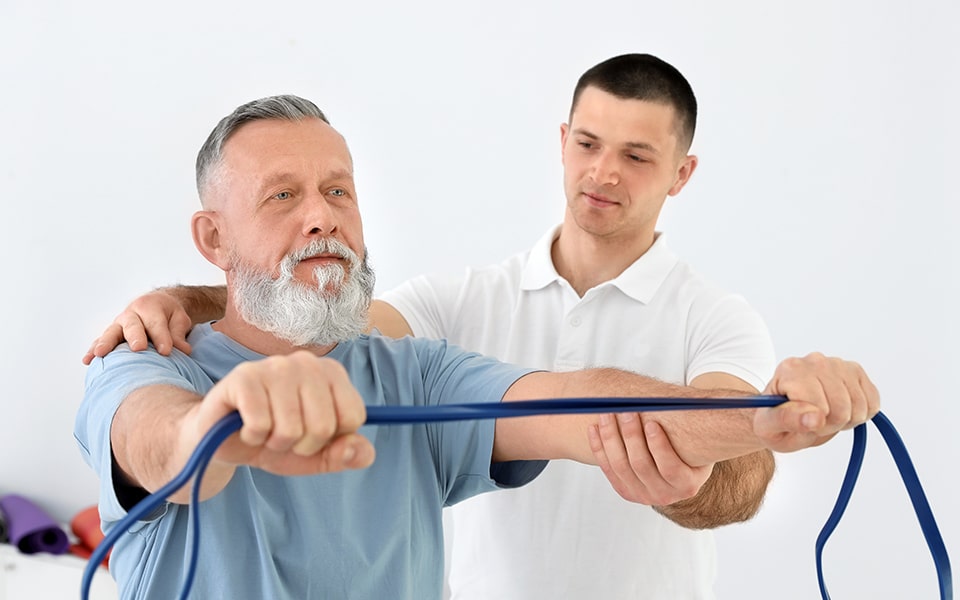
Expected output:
{"points": [[733, 494]]}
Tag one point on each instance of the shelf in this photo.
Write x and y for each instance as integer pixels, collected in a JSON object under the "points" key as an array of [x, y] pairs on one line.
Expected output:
{"points": [[49, 577]]}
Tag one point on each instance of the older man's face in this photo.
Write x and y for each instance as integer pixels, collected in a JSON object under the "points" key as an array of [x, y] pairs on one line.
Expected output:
{"points": [[289, 217], [281, 186]]}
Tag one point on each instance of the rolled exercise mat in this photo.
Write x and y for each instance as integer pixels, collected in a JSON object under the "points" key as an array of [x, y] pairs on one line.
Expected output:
{"points": [[30, 528], [86, 526]]}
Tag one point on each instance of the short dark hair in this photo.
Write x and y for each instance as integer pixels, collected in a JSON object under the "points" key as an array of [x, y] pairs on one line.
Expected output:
{"points": [[284, 107], [644, 77]]}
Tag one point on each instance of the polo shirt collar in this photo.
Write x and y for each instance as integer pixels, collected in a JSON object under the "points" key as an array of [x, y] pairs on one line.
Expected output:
{"points": [[640, 281]]}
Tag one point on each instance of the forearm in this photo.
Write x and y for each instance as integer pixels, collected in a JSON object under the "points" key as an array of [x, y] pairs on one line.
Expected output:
{"points": [[202, 302], [704, 436], [151, 440], [732, 494], [700, 437]]}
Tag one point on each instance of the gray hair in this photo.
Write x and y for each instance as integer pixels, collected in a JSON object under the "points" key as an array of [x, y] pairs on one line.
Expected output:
{"points": [[285, 108]]}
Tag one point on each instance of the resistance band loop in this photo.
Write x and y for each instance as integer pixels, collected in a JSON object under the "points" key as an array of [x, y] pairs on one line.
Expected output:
{"points": [[919, 500], [400, 415]]}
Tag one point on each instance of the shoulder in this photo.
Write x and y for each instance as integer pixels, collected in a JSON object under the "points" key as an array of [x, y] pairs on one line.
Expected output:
{"points": [[423, 356], [123, 370], [384, 350], [422, 371], [440, 305], [690, 287], [505, 274]]}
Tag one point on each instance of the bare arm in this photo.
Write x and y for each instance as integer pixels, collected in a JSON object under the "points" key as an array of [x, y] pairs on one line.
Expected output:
{"points": [[826, 395], [649, 469], [300, 416], [148, 457], [732, 494], [736, 487], [699, 439], [201, 302], [166, 315]]}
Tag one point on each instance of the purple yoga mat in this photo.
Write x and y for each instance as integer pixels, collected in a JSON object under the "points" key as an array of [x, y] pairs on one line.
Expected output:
{"points": [[30, 528]]}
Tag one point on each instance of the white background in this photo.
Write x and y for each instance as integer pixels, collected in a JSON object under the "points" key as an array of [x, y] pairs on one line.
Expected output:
{"points": [[825, 136]]}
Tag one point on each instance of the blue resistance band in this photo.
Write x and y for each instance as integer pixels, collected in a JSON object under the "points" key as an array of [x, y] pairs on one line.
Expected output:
{"points": [[401, 415]]}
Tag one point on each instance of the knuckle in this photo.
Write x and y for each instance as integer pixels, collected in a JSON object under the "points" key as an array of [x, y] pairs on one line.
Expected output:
{"points": [[841, 414], [642, 469], [619, 463], [333, 367], [285, 436], [688, 491], [353, 419], [246, 370], [138, 303], [604, 465], [664, 499], [126, 319], [633, 493], [324, 430], [301, 357], [284, 366], [790, 363], [306, 448]]}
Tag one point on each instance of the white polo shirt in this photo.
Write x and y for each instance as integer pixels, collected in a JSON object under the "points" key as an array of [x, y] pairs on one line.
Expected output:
{"points": [[568, 534]]}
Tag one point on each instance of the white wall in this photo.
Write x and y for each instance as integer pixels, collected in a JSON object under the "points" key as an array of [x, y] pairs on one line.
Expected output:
{"points": [[826, 133]]}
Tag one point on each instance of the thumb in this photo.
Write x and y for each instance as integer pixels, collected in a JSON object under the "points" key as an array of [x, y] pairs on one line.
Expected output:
{"points": [[789, 426]]}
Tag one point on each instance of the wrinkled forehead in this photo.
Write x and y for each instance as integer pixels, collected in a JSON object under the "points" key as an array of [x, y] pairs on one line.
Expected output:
{"points": [[305, 152], [258, 145]]}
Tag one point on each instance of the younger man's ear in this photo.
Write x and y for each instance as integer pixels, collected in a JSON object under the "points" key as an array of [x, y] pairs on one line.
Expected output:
{"points": [[684, 173]]}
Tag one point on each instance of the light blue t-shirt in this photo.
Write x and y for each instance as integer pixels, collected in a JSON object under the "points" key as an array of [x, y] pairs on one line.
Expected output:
{"points": [[374, 533]]}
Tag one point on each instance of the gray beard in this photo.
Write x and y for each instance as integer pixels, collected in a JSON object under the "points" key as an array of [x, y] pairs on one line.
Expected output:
{"points": [[333, 311]]}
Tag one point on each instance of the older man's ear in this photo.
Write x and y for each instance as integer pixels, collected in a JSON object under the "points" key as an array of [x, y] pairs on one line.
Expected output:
{"points": [[205, 227]]}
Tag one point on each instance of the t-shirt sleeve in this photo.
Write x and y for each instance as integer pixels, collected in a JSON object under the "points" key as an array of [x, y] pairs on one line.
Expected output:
{"points": [[454, 376], [108, 381], [729, 336]]}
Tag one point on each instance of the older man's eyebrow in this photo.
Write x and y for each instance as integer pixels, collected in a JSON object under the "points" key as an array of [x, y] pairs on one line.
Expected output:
{"points": [[279, 177], [338, 174], [272, 180]]}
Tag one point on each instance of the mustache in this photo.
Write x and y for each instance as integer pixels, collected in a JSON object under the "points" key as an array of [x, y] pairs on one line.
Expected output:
{"points": [[319, 247]]}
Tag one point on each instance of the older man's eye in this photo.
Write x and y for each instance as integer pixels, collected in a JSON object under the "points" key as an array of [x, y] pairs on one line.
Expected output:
{"points": [[283, 196], [338, 192]]}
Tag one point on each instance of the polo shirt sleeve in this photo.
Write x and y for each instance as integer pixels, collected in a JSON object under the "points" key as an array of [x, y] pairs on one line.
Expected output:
{"points": [[728, 336], [427, 303]]}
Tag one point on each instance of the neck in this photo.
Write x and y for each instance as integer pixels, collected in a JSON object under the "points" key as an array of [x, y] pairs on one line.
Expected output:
{"points": [[234, 327], [586, 260]]}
